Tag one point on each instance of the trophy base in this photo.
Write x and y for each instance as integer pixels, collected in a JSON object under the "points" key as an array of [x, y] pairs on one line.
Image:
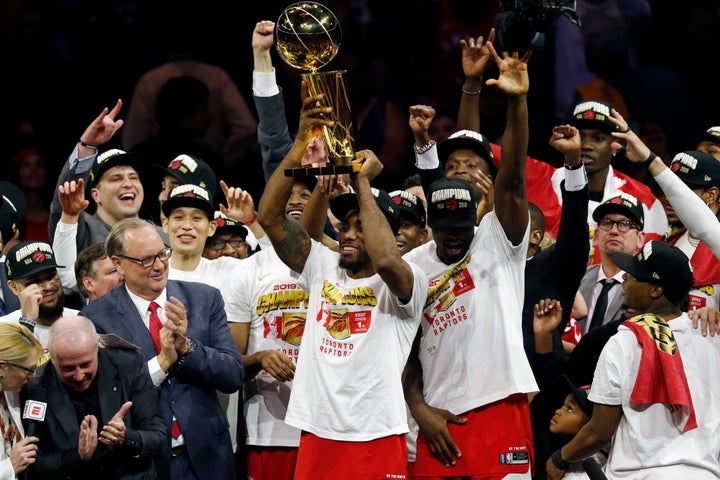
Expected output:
{"points": [[327, 170]]}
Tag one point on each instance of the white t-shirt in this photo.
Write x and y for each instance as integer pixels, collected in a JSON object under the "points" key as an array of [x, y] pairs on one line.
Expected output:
{"points": [[269, 297], [356, 342], [472, 345], [647, 444]]}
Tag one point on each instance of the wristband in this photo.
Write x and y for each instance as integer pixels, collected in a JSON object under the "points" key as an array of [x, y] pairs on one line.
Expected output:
{"points": [[649, 160], [72, 214], [557, 460], [28, 322], [472, 92], [574, 167], [86, 145], [424, 148], [251, 221]]}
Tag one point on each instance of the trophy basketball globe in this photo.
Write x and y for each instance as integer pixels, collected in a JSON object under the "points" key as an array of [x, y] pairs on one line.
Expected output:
{"points": [[307, 37]]}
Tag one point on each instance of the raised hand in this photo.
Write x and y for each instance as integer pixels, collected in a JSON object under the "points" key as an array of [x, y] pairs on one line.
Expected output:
{"points": [[547, 315], [102, 129], [240, 204], [485, 184], [312, 117], [421, 116], [513, 79], [565, 139], [114, 432], [262, 37], [262, 41], [475, 57], [30, 299], [371, 166], [72, 196]]}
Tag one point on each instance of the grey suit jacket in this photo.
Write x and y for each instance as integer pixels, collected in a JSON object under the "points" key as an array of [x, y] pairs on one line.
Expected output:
{"points": [[614, 310]]}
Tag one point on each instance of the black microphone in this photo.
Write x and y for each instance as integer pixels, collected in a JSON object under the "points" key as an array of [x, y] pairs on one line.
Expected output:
{"points": [[592, 469]]}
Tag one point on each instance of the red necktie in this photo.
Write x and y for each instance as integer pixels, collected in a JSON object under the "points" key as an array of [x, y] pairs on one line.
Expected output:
{"points": [[155, 325]]}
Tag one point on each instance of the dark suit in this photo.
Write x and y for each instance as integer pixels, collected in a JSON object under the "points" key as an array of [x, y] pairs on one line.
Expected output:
{"points": [[614, 310], [554, 273], [189, 392], [10, 300], [121, 376]]}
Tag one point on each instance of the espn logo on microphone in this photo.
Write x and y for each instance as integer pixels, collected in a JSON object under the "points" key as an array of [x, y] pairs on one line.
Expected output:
{"points": [[34, 410]]}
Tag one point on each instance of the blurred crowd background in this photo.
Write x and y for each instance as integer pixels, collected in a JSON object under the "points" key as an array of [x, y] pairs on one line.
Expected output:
{"points": [[64, 60]]}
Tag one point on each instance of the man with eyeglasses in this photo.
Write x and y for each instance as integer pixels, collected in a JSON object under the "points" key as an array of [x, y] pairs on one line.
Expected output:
{"points": [[33, 277], [620, 222], [228, 241], [182, 330]]}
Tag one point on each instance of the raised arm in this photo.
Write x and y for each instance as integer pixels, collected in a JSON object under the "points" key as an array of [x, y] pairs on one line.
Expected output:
{"points": [[381, 246], [511, 203], [289, 238], [475, 57], [700, 221], [272, 129]]}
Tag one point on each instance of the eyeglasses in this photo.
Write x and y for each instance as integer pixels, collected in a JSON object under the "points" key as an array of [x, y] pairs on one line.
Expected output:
{"points": [[148, 262], [220, 244], [623, 226], [30, 371]]}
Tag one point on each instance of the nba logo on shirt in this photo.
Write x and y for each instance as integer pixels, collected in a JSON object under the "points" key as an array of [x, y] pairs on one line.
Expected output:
{"points": [[34, 410]]}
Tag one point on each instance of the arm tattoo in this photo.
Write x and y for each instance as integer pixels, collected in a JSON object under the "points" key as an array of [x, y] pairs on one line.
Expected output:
{"points": [[294, 248]]}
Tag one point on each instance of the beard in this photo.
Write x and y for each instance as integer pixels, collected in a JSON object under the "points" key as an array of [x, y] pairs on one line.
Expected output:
{"points": [[362, 261], [54, 312]]}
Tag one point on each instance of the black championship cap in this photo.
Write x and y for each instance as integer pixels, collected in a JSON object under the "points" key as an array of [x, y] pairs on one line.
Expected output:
{"points": [[113, 158], [226, 224], [468, 140], [308, 180], [661, 264], [581, 396], [345, 203], [451, 203], [191, 170], [594, 115], [697, 169], [12, 209], [188, 196], [410, 205], [29, 258], [624, 204]]}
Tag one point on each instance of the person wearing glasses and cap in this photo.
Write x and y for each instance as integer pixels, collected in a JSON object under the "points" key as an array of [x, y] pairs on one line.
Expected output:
{"points": [[654, 398], [229, 239]]}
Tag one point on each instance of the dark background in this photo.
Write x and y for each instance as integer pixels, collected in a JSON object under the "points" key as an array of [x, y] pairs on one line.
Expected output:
{"points": [[63, 61]]}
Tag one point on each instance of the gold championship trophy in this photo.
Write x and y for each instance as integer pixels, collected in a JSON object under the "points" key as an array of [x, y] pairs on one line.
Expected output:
{"points": [[307, 37]]}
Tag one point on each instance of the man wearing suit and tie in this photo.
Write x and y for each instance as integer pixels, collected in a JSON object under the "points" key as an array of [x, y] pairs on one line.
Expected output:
{"points": [[620, 222], [182, 330]]}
